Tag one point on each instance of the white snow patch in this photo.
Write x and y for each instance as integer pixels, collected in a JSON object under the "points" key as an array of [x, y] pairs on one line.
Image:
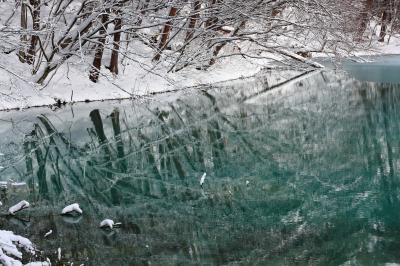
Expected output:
{"points": [[10, 183], [18, 184], [38, 263], [48, 233]]}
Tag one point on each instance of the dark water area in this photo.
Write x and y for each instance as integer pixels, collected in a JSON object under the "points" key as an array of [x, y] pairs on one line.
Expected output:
{"points": [[305, 174]]}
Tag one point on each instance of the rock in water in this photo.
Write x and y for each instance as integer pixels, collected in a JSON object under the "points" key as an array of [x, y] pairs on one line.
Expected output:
{"points": [[18, 207], [107, 223], [71, 209]]}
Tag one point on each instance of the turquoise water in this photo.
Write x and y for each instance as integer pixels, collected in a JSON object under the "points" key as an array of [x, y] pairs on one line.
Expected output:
{"points": [[382, 68], [305, 174]]}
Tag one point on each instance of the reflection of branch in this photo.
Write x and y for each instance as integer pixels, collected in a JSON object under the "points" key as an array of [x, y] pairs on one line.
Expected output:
{"points": [[18, 218], [223, 117], [300, 76], [51, 133]]}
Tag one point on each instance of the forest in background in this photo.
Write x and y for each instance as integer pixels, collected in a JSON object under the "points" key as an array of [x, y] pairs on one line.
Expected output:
{"points": [[179, 34]]}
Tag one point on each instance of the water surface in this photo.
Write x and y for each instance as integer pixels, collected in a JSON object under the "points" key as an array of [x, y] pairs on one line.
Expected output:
{"points": [[305, 174]]}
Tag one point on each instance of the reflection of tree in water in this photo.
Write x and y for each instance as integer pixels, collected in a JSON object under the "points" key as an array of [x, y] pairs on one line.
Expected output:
{"points": [[309, 165], [381, 143], [150, 171]]}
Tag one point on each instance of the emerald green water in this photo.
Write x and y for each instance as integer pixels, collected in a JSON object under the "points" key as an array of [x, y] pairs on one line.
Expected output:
{"points": [[321, 157]]}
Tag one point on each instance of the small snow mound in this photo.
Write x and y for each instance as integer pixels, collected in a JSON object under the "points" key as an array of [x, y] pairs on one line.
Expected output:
{"points": [[72, 208], [18, 207], [107, 223]]}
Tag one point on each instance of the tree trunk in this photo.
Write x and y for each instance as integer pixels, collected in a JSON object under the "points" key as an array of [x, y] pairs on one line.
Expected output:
{"points": [[385, 20], [165, 33], [219, 47], [194, 17], [95, 71], [213, 19], [122, 163], [115, 51], [365, 16], [46, 73], [23, 37], [142, 12], [35, 4]]}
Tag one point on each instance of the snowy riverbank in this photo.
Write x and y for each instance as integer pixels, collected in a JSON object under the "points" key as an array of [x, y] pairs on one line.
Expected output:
{"points": [[70, 82]]}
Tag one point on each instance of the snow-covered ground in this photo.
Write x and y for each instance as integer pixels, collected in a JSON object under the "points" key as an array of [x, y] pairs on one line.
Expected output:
{"points": [[390, 46], [393, 47], [371, 46], [139, 77], [71, 83]]}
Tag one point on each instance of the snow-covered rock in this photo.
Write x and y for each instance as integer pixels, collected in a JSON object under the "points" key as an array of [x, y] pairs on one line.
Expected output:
{"points": [[71, 209], [8, 247], [107, 223], [8, 261], [18, 207]]}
